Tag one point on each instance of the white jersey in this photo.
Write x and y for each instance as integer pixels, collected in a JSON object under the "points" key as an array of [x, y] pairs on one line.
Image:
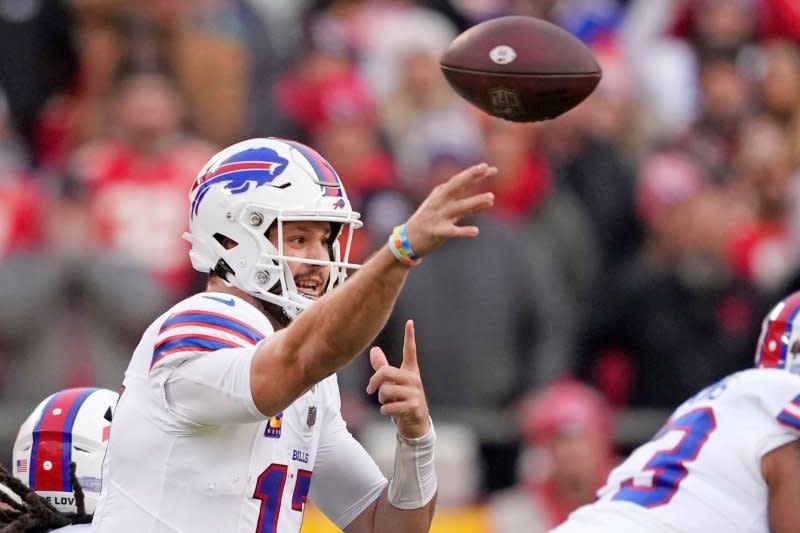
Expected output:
{"points": [[702, 471], [190, 452]]}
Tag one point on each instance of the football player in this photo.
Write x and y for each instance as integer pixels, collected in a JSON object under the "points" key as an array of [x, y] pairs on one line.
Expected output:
{"points": [[56, 463], [728, 459], [230, 417]]}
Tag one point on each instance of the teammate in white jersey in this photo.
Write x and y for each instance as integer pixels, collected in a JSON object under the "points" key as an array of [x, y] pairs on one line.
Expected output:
{"points": [[56, 463], [728, 459], [230, 417]]}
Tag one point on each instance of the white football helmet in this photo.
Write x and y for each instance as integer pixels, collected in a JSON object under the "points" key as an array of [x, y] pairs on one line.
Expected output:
{"points": [[245, 189], [779, 343], [72, 425]]}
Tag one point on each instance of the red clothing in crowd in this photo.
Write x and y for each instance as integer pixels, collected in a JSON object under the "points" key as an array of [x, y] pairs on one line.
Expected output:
{"points": [[762, 253], [139, 207], [546, 497], [781, 18], [517, 197], [22, 203]]}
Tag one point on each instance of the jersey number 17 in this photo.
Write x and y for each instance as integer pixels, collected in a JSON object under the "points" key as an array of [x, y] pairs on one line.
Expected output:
{"points": [[269, 489]]}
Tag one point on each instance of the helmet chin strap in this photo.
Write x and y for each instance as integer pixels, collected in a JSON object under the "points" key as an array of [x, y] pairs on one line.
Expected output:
{"points": [[278, 300], [276, 313]]}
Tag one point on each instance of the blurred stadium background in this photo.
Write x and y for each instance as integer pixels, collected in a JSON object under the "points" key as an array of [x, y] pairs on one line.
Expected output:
{"points": [[636, 244]]}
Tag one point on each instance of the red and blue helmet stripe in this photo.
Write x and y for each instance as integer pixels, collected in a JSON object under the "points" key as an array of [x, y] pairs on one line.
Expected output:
{"points": [[773, 345], [326, 175], [51, 451]]}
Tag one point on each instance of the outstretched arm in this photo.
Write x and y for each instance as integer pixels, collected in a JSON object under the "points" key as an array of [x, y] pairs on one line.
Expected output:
{"points": [[327, 335]]}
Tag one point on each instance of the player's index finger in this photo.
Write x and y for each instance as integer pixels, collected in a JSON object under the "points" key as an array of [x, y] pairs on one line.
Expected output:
{"points": [[409, 346], [468, 176]]}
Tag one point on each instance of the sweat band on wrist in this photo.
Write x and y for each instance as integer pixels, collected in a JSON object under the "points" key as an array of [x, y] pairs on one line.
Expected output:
{"points": [[414, 481], [400, 248]]}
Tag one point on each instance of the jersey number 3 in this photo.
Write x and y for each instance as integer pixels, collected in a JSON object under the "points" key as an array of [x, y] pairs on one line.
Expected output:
{"points": [[269, 489], [667, 466]]}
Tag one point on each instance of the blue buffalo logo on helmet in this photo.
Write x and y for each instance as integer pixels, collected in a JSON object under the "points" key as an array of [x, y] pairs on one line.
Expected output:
{"points": [[256, 167]]}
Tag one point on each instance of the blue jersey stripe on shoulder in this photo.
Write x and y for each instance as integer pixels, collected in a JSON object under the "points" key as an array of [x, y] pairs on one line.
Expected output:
{"points": [[214, 320], [789, 419], [189, 342]]}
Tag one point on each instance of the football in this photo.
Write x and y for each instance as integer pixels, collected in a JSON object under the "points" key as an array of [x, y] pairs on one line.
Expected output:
{"points": [[521, 69]]}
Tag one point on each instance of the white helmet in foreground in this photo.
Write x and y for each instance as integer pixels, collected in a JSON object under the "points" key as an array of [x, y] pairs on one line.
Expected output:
{"points": [[69, 426], [255, 185]]}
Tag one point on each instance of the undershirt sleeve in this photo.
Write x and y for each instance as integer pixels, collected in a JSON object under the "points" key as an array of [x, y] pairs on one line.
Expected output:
{"points": [[346, 479]]}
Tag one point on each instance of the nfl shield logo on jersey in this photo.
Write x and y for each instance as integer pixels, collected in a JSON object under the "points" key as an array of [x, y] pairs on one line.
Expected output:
{"points": [[312, 415]]}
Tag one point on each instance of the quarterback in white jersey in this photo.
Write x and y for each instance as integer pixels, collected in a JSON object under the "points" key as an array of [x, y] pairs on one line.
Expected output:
{"points": [[248, 472], [230, 415], [727, 459]]}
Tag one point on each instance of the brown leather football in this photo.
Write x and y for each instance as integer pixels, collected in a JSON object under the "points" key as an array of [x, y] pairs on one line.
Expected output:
{"points": [[522, 69]]}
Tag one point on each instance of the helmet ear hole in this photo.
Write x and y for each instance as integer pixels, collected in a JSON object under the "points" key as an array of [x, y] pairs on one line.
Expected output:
{"points": [[270, 229], [225, 242]]}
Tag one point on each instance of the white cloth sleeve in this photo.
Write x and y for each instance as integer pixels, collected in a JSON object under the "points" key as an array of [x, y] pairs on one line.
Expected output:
{"points": [[346, 479], [211, 390], [779, 399]]}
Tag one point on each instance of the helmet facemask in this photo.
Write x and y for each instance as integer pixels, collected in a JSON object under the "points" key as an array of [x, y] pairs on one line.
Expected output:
{"points": [[273, 276]]}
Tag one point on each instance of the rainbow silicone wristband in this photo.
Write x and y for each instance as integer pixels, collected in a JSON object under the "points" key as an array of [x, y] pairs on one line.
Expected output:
{"points": [[400, 248]]}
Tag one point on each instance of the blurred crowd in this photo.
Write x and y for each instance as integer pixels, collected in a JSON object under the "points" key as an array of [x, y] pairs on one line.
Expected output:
{"points": [[636, 242]]}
